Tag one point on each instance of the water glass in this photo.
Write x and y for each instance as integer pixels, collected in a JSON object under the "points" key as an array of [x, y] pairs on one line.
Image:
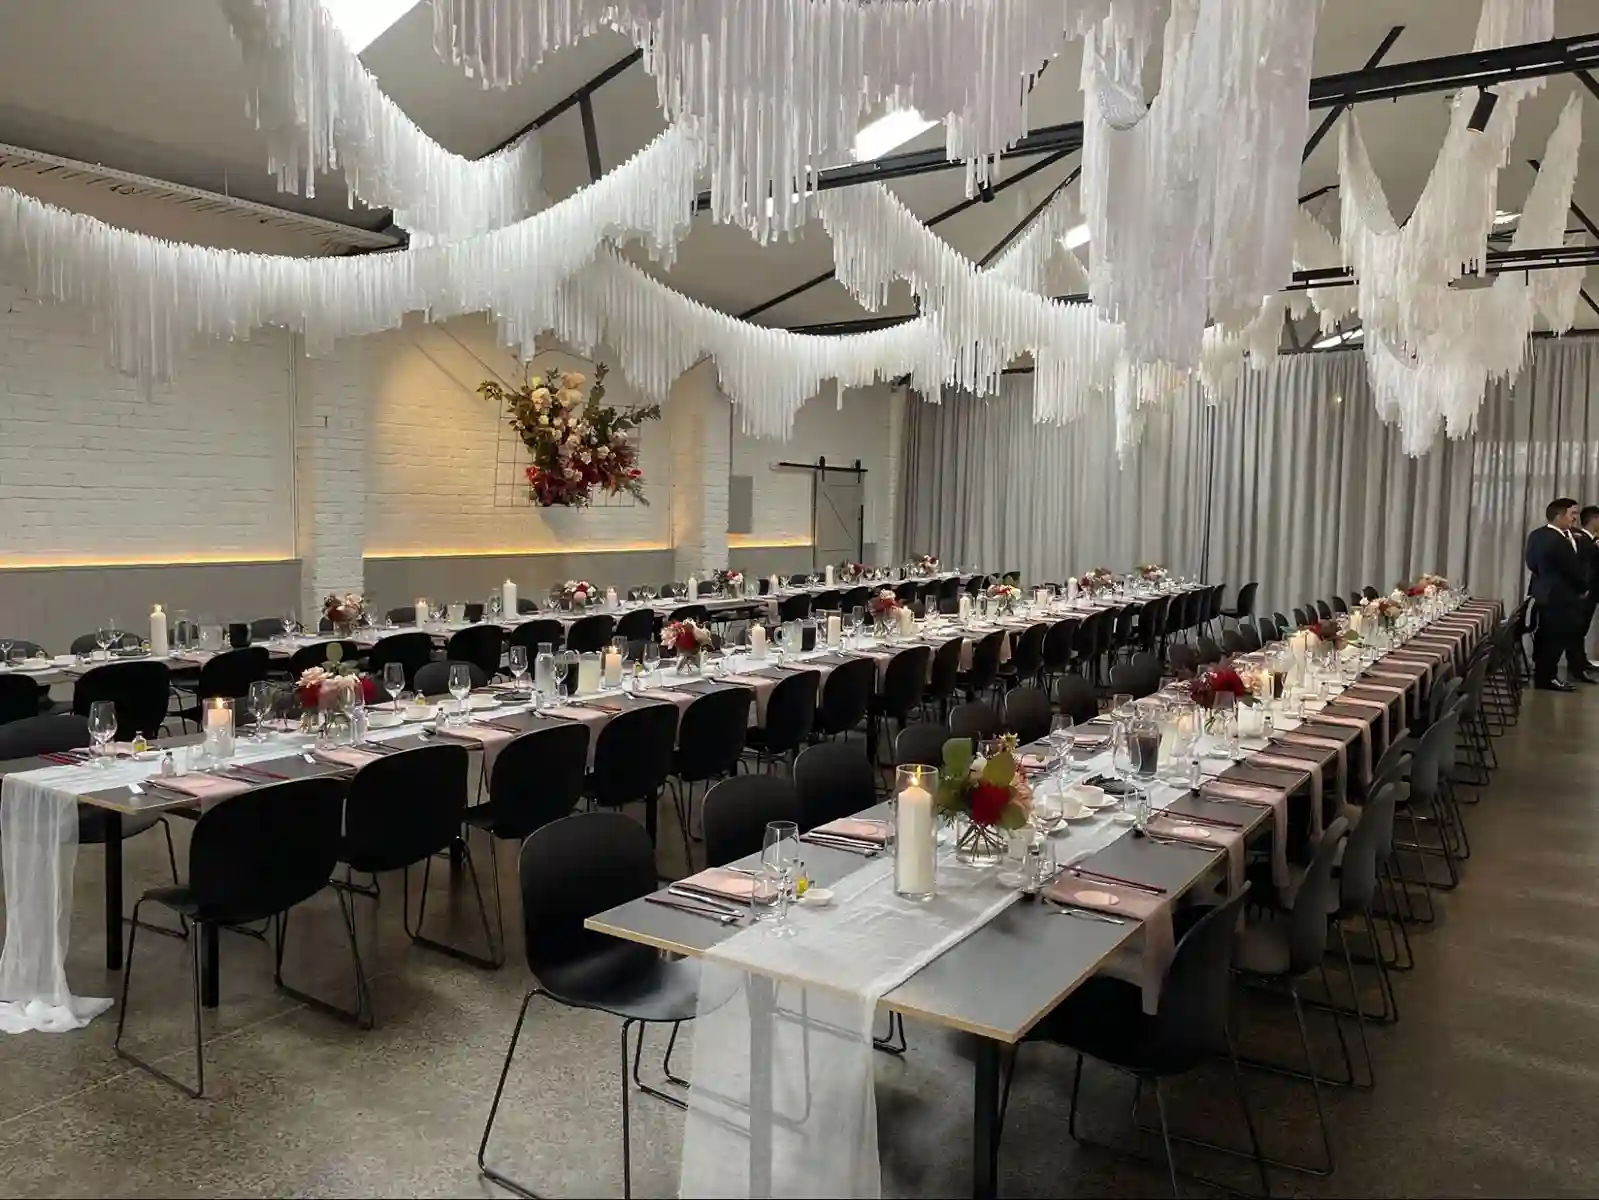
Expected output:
{"points": [[260, 702], [394, 682], [102, 728], [460, 685], [652, 656], [516, 659], [291, 623], [780, 855], [766, 890], [559, 667], [1062, 735]]}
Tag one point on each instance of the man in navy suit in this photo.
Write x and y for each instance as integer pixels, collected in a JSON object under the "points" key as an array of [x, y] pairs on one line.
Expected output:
{"points": [[1588, 548], [1560, 588]]}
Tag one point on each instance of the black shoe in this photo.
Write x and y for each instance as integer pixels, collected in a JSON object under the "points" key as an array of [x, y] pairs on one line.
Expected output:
{"points": [[1554, 685]]}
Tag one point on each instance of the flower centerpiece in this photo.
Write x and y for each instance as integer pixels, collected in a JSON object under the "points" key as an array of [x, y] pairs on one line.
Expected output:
{"points": [[688, 640], [342, 612], [333, 686], [927, 564], [730, 582], [1153, 573], [985, 795], [1207, 685], [1099, 577], [883, 606], [576, 443], [578, 593], [1383, 611], [1004, 596], [851, 572], [1431, 584]]}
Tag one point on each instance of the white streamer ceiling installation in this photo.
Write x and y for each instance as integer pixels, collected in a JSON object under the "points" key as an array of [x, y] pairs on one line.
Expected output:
{"points": [[779, 88], [321, 110]]}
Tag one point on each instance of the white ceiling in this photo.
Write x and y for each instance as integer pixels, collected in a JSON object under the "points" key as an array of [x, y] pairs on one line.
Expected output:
{"points": [[153, 87]]}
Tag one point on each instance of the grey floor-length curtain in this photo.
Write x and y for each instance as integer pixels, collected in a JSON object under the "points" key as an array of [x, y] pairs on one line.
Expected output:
{"points": [[1292, 480]]}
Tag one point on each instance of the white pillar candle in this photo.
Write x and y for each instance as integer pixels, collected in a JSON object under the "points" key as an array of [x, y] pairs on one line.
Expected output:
{"points": [[757, 641], [1071, 589], [613, 668], [508, 598], [610, 598], [588, 673], [1251, 720], [835, 630], [219, 727], [421, 610], [158, 633], [965, 607], [907, 621], [772, 585], [829, 574], [693, 588], [1041, 596], [915, 842]]}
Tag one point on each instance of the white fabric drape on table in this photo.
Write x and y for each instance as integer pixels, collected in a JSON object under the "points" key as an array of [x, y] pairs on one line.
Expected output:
{"points": [[1291, 480]]}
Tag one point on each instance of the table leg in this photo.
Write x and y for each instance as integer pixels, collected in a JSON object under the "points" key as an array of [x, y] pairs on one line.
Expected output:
{"points": [[113, 890], [985, 1121], [210, 965], [761, 993]]}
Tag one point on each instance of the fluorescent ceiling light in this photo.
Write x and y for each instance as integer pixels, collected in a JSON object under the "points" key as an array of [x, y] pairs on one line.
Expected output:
{"points": [[1504, 217], [888, 132], [364, 21], [1339, 339], [1076, 236]]}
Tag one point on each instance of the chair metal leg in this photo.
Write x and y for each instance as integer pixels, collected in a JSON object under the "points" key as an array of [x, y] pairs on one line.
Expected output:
{"points": [[483, 1167], [666, 1062], [363, 1015], [494, 960], [182, 931], [499, 905], [1359, 1010], [1165, 1138], [627, 1125], [895, 1042], [198, 1091], [638, 1053], [1315, 1084]]}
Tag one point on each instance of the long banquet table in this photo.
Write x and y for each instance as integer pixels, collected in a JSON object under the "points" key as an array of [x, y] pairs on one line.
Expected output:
{"points": [[1040, 959]]}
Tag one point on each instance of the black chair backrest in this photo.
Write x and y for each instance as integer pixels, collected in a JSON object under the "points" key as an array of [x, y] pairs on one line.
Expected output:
{"points": [[737, 811], [525, 605], [534, 633], [434, 679], [638, 625], [1133, 621], [977, 721], [946, 670], [403, 807], [404, 615], [591, 633], [668, 591], [834, 779], [907, 591], [1027, 652], [1301, 619], [1124, 677], [1314, 902], [1370, 592], [1027, 713], [265, 627], [1268, 629], [572, 869], [1324, 610], [139, 689], [697, 613], [1391, 766], [794, 608], [1433, 754], [1370, 841], [1058, 644], [1251, 638], [48, 734], [1232, 642], [790, 713], [1075, 696], [265, 851], [1209, 651], [921, 743], [538, 778], [31, 649], [802, 580], [1191, 1023], [985, 661], [711, 735], [412, 650], [706, 587], [316, 654], [19, 698], [846, 696], [905, 680], [232, 672], [481, 645], [856, 597], [1183, 659], [828, 601], [1246, 600], [633, 754]]}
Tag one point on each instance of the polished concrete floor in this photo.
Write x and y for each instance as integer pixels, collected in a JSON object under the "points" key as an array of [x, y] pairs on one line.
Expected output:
{"points": [[1488, 1085]]}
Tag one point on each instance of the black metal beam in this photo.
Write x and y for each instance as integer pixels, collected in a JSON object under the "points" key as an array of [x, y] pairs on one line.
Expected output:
{"points": [[998, 247], [591, 138], [571, 101], [955, 209], [1331, 119], [1589, 81]]}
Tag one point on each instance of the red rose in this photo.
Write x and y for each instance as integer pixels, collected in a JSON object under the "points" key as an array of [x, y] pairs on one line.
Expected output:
{"points": [[310, 695], [369, 689], [988, 803], [1416, 591]]}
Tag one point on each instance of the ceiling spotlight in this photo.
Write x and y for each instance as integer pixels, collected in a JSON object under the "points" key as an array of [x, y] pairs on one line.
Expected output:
{"points": [[1485, 108]]}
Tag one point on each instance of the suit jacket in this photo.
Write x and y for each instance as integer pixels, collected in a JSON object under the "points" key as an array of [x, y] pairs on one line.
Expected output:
{"points": [[1560, 574], [1588, 551]]}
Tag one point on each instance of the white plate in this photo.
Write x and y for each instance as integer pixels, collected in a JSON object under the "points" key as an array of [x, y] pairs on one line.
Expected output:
{"points": [[481, 702], [1102, 802], [383, 720], [1189, 831], [1095, 899]]}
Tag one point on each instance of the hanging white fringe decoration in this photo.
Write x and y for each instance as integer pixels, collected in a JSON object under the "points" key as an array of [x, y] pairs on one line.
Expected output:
{"points": [[150, 296], [780, 88], [1039, 260], [322, 110]]}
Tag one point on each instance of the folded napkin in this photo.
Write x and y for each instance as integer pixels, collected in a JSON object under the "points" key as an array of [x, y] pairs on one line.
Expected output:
{"points": [[347, 756], [1289, 763], [1277, 799], [1297, 744], [206, 788], [1207, 832], [1364, 727], [858, 828], [590, 715], [722, 883], [1151, 911]]}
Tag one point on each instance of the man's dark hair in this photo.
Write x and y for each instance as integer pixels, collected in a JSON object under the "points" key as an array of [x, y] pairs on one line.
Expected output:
{"points": [[1589, 512], [1556, 507]]}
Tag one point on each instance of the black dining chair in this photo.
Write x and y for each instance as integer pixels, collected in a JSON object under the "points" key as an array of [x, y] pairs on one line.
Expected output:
{"points": [[481, 645], [1245, 607], [19, 698], [1183, 659], [263, 628], [794, 608], [402, 809], [710, 741], [228, 674], [980, 677], [591, 633], [1124, 677], [1251, 638], [533, 634], [632, 760], [1269, 629], [1027, 714], [404, 615], [834, 780], [254, 858], [1104, 1019], [140, 689], [736, 811], [904, 685], [570, 870], [1369, 592], [317, 655], [826, 602], [89, 643], [1232, 642], [976, 721], [1076, 697], [921, 743], [1324, 611], [638, 625], [944, 676], [413, 651], [1209, 651], [434, 679], [846, 697], [537, 778], [1301, 618], [790, 716], [1026, 657]]}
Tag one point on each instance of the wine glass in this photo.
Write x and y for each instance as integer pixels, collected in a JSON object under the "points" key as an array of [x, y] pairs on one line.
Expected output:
{"points": [[1121, 766], [1062, 731], [5, 650], [394, 681], [1121, 705], [103, 637], [291, 623], [259, 701], [516, 659], [780, 857], [460, 684], [102, 728], [563, 661]]}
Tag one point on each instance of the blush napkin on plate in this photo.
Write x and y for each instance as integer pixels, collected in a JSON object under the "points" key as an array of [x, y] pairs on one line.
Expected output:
{"points": [[720, 882], [857, 828]]}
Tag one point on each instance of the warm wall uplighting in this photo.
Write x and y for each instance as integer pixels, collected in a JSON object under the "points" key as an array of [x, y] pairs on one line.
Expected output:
{"points": [[518, 551], [13, 563], [740, 541]]}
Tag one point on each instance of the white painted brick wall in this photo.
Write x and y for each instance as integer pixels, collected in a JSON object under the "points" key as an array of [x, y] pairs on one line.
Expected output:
{"points": [[697, 415], [331, 431], [91, 467]]}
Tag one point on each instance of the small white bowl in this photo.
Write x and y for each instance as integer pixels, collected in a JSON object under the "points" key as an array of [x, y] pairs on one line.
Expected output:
{"points": [[481, 702], [1090, 796], [417, 712], [383, 720], [817, 897]]}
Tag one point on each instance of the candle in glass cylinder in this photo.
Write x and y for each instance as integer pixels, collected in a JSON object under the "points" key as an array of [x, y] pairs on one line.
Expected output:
{"points": [[915, 833], [757, 641], [421, 610], [907, 621], [835, 630], [218, 726], [588, 672], [613, 668], [828, 575]]}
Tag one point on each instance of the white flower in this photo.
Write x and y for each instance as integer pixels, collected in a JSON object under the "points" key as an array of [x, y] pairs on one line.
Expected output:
{"points": [[603, 452], [545, 420], [582, 456], [572, 380], [312, 675], [571, 397], [572, 438]]}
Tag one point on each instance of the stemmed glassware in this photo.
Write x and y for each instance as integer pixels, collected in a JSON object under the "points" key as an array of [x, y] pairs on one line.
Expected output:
{"points": [[103, 637], [1062, 734], [460, 685], [516, 659], [563, 663], [291, 624], [394, 682], [102, 729], [260, 701], [5, 650], [780, 856]]}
